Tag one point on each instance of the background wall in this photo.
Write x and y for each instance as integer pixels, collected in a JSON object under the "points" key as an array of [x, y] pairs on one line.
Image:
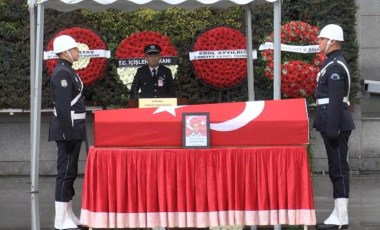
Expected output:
{"points": [[364, 144], [15, 144]]}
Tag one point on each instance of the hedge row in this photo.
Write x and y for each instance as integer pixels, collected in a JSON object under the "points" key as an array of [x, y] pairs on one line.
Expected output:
{"points": [[182, 26]]}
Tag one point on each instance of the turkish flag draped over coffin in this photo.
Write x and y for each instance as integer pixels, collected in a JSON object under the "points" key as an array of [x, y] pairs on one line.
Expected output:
{"points": [[253, 123]]}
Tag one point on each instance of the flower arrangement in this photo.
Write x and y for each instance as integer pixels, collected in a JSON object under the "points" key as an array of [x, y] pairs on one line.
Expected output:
{"points": [[220, 73], [89, 69], [132, 48], [298, 71]]}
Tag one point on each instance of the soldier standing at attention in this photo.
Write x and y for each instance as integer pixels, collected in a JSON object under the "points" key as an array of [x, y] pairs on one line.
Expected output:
{"points": [[67, 128], [334, 121]]}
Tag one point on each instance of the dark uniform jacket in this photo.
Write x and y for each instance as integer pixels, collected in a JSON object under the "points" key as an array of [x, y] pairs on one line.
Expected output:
{"points": [[333, 83], [149, 85], [68, 102]]}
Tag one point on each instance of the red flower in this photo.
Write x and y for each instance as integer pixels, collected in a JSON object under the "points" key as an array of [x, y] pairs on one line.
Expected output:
{"points": [[220, 73], [133, 46], [298, 78], [94, 70]]}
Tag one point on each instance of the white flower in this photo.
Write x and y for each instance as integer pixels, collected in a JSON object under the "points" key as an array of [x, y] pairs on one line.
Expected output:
{"points": [[173, 68], [82, 62], [126, 75]]}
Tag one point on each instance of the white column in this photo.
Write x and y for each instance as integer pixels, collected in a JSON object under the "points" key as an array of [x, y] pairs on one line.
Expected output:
{"points": [[36, 32]]}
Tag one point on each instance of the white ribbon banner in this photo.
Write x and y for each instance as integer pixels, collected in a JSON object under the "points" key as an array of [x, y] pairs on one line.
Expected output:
{"points": [[291, 48], [83, 54], [220, 54]]}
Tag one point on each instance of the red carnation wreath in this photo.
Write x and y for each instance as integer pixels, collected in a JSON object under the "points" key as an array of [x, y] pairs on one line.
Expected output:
{"points": [[220, 73], [90, 70], [131, 50], [298, 77]]}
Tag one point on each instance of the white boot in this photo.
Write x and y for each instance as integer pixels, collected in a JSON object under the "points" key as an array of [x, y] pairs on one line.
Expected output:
{"points": [[339, 215], [333, 218], [71, 213], [342, 210], [62, 218]]}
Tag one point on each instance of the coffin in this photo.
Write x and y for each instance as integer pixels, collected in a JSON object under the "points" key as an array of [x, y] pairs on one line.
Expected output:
{"points": [[253, 123]]}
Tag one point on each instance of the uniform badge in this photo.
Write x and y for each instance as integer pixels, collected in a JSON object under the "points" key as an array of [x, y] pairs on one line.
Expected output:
{"points": [[64, 83], [335, 77]]}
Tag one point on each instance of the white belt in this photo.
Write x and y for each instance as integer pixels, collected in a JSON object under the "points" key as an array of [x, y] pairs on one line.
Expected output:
{"points": [[324, 101], [74, 116], [78, 116]]}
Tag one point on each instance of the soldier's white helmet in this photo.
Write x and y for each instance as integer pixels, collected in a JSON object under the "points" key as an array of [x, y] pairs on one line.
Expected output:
{"points": [[332, 32], [63, 43]]}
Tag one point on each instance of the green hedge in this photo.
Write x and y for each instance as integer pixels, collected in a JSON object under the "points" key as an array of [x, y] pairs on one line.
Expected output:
{"points": [[182, 26]]}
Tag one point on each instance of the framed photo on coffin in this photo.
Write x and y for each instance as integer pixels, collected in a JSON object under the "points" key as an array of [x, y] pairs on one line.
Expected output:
{"points": [[196, 130]]}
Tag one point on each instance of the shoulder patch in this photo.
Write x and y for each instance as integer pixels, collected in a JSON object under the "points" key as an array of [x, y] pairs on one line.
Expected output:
{"points": [[335, 77], [64, 83]]}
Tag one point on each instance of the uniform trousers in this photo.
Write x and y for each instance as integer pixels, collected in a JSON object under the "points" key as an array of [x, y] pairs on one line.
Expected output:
{"points": [[337, 152], [67, 169]]}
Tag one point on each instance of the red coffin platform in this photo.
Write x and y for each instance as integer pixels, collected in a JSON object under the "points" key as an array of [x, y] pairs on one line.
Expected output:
{"points": [[146, 188], [255, 123]]}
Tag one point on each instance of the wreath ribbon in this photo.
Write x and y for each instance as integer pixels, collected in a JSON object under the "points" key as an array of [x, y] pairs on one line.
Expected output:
{"points": [[308, 49]]}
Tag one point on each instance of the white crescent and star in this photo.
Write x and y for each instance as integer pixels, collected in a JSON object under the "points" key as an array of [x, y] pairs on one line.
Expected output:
{"points": [[169, 109], [251, 111]]}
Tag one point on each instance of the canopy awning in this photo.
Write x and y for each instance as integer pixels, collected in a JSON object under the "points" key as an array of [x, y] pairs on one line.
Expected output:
{"points": [[131, 5]]}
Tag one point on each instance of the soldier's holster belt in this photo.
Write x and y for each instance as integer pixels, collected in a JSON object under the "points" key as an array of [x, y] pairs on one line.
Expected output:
{"points": [[324, 101]]}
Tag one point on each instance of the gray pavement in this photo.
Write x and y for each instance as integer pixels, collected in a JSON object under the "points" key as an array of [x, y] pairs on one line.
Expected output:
{"points": [[15, 211]]}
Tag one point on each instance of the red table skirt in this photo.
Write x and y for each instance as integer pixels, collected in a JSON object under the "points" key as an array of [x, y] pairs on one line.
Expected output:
{"points": [[136, 188]]}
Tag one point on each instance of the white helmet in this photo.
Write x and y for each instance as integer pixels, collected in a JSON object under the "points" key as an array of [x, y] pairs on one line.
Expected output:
{"points": [[63, 43], [333, 32]]}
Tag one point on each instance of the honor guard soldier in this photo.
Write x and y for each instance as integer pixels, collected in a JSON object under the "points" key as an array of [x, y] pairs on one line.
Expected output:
{"points": [[154, 80], [67, 128], [334, 121]]}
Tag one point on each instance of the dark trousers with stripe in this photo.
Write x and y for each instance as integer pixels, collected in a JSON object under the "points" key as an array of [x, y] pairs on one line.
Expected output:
{"points": [[339, 171], [67, 169]]}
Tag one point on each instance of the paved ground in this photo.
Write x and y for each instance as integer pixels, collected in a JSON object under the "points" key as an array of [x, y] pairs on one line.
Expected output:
{"points": [[15, 211]]}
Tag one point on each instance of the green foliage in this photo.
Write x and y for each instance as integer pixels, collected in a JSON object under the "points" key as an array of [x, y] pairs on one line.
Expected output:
{"points": [[14, 55], [323, 12], [182, 26]]}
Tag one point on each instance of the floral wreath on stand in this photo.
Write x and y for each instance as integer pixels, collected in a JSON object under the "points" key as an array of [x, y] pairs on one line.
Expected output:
{"points": [[93, 54], [300, 68], [130, 54], [218, 57]]}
